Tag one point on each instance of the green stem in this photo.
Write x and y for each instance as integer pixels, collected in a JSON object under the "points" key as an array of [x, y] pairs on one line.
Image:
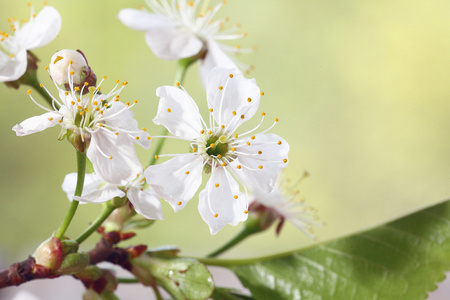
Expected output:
{"points": [[157, 293], [81, 171], [180, 72], [251, 227], [107, 210], [127, 280], [33, 81]]}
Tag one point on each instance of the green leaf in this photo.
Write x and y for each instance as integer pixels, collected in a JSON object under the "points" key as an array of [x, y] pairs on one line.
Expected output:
{"points": [[228, 294], [403, 259]]}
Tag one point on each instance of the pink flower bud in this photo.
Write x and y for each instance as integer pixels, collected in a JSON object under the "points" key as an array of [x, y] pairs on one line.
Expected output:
{"points": [[49, 254]]}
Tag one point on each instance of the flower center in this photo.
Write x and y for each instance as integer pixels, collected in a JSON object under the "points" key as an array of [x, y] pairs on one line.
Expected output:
{"points": [[218, 146]]}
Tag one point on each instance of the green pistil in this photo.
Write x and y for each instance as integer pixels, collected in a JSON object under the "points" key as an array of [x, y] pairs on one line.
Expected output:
{"points": [[219, 146]]}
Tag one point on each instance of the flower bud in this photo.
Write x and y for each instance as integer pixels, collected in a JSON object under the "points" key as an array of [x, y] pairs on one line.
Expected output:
{"points": [[71, 64], [49, 254], [74, 263]]}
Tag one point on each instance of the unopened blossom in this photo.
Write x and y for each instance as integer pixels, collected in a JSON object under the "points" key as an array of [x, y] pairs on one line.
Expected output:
{"points": [[98, 190], [66, 59], [284, 204], [181, 29], [216, 147], [96, 121], [40, 30]]}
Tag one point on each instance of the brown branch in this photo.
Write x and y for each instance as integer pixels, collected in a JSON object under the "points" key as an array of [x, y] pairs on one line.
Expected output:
{"points": [[24, 271]]}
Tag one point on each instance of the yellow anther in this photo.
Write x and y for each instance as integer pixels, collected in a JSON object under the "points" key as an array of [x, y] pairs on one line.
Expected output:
{"points": [[101, 125], [169, 110], [231, 75], [50, 119], [222, 126], [149, 138], [110, 157], [60, 121], [178, 84], [101, 112], [190, 3], [236, 196], [236, 135], [83, 136], [28, 4], [76, 89], [105, 105], [209, 132], [127, 103], [263, 114], [117, 81], [242, 117], [58, 58], [116, 133], [211, 110], [279, 143], [233, 149], [285, 160], [262, 93], [135, 101], [260, 166], [276, 119], [97, 108], [238, 47], [104, 77], [248, 143], [29, 92], [66, 93], [72, 72], [72, 102], [46, 68], [124, 83], [202, 131], [179, 203], [239, 166], [216, 185], [187, 172], [260, 152], [216, 215], [11, 55], [224, 164], [234, 113], [86, 84], [220, 87], [156, 156], [194, 149], [81, 113], [245, 211], [70, 62], [95, 103], [219, 156], [45, 3], [137, 138], [212, 145], [249, 99], [144, 129], [41, 85], [253, 137], [98, 88]]}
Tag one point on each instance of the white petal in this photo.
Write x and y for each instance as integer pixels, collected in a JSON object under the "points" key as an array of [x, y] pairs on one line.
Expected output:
{"points": [[37, 123], [142, 20], [214, 57], [95, 190], [234, 100], [40, 31], [271, 160], [173, 43], [178, 112], [171, 182], [218, 204], [145, 203], [123, 165], [125, 121], [12, 68]]}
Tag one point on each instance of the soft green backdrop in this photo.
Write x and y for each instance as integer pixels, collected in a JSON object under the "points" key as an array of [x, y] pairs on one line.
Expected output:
{"points": [[361, 89]]}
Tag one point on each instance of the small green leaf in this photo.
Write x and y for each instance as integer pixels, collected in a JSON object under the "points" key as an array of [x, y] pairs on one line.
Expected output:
{"points": [[403, 259], [229, 294]]}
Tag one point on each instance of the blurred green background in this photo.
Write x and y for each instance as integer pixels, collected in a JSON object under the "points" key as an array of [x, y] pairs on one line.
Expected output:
{"points": [[361, 89]]}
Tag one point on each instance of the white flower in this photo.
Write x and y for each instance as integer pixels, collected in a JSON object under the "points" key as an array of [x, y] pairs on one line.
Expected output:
{"points": [[98, 190], [183, 29], [282, 204], [38, 32], [255, 160], [99, 119]]}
